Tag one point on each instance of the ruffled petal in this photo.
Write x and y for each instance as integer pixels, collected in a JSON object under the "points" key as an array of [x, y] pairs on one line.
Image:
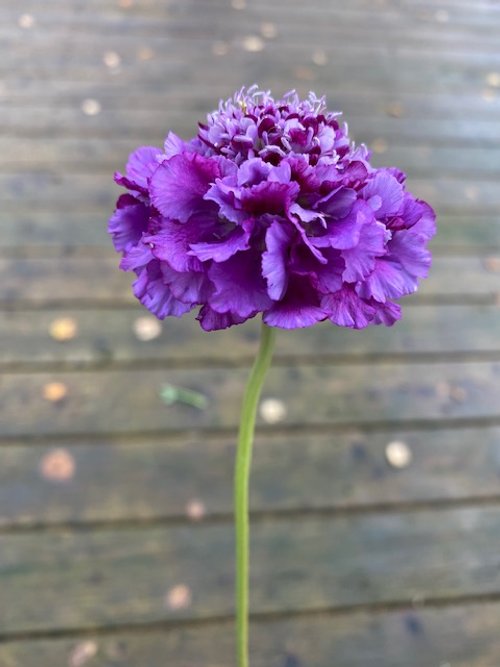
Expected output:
{"points": [[222, 250], [141, 165], [178, 185], [426, 224], [388, 280], [189, 287], [172, 243], [239, 285], [174, 145], [384, 193], [388, 313], [345, 233], [152, 292], [409, 249], [360, 261], [329, 275], [128, 222], [268, 198], [347, 309], [274, 259], [136, 257], [211, 321], [338, 204], [225, 194], [298, 308]]}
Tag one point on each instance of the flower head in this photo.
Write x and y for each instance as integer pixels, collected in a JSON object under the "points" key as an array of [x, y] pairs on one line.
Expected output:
{"points": [[270, 209]]}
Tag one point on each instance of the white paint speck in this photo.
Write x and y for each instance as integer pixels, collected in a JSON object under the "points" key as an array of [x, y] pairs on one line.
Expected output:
{"points": [[398, 454], [273, 410], [253, 43], [111, 59], [26, 21], [91, 107], [146, 328]]}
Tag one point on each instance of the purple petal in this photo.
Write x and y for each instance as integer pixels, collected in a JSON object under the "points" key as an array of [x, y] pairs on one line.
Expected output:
{"points": [[299, 307], [225, 194], [189, 286], [329, 275], [309, 241], [253, 171], [338, 204], [128, 222], [178, 185], [174, 145], [360, 261], [305, 215], [355, 174], [152, 292], [426, 225], [344, 234], [270, 198], [136, 257], [172, 243], [220, 251], [347, 309], [142, 164], [274, 259], [212, 321], [387, 190], [387, 313], [388, 280], [239, 285], [409, 249]]}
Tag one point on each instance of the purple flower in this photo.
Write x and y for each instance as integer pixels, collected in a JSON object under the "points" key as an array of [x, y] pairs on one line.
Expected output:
{"points": [[270, 209]]}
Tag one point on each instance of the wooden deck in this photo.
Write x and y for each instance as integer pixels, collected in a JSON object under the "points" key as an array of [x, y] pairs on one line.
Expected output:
{"points": [[116, 542]]}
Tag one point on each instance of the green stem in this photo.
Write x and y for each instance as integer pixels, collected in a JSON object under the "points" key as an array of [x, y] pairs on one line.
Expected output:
{"points": [[241, 487]]}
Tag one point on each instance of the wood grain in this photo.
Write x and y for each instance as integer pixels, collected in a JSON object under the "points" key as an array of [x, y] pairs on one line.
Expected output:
{"points": [[463, 636], [100, 490], [152, 479], [114, 577], [113, 340], [97, 280], [121, 401]]}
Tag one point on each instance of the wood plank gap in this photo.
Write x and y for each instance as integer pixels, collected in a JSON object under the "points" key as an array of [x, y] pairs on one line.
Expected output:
{"points": [[487, 299], [280, 360], [209, 434], [260, 617], [257, 516]]}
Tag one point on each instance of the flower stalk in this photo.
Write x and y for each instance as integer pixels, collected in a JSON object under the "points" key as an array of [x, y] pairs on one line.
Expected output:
{"points": [[241, 488]]}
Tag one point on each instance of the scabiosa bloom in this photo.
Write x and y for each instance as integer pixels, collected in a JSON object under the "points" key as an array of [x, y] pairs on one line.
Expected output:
{"points": [[270, 209]]}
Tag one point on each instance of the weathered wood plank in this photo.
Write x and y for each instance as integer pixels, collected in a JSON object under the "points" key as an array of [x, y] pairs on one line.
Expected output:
{"points": [[96, 156], [448, 195], [152, 479], [84, 231], [142, 125], [97, 280], [392, 17], [129, 401], [295, 70], [466, 7], [108, 578], [358, 102], [462, 636], [181, 40], [111, 339]]}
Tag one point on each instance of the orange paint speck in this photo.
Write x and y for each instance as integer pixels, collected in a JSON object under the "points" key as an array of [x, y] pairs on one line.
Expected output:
{"points": [[82, 653], [195, 510], [58, 465], [54, 391], [178, 597]]}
